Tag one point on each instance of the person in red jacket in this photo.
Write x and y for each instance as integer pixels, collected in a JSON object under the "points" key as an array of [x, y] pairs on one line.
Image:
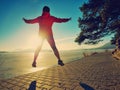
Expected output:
{"points": [[45, 22]]}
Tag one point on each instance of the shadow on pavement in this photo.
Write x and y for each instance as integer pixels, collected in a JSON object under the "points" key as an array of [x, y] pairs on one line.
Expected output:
{"points": [[86, 87], [32, 86]]}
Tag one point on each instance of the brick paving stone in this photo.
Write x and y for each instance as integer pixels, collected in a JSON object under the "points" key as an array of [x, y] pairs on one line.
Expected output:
{"points": [[117, 87], [78, 88], [56, 88], [15, 88], [46, 87], [9, 85], [4, 88]]}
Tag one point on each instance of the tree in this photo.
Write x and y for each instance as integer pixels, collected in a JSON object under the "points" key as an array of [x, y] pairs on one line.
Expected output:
{"points": [[100, 18]]}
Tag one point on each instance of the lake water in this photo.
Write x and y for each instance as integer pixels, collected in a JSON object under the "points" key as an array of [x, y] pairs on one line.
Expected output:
{"points": [[17, 63]]}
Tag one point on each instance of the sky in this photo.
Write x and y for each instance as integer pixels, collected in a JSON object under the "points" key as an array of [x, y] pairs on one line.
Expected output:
{"points": [[17, 35]]}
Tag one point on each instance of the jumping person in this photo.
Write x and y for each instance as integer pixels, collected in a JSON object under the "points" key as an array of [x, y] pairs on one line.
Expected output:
{"points": [[45, 22]]}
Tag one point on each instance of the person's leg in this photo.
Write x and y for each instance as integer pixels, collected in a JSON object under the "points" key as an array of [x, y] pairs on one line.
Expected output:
{"points": [[36, 54], [53, 46], [56, 52]]}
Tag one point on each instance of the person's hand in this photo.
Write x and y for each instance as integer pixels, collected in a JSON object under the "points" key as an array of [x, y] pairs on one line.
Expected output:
{"points": [[24, 20], [70, 18]]}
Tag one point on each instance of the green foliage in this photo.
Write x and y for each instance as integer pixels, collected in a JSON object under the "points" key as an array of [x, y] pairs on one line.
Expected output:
{"points": [[100, 18]]}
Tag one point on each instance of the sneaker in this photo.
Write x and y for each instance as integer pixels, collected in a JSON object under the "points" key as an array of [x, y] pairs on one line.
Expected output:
{"points": [[60, 62], [34, 64]]}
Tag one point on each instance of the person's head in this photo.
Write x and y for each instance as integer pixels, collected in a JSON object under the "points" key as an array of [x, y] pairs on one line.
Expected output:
{"points": [[46, 9]]}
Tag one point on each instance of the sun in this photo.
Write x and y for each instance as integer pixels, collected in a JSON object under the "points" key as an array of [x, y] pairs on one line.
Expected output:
{"points": [[35, 41]]}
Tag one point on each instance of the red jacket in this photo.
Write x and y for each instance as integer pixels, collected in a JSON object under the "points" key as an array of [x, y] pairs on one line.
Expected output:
{"points": [[45, 23]]}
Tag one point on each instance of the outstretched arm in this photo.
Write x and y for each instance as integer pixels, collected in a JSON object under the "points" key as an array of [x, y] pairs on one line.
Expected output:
{"points": [[31, 21], [60, 20]]}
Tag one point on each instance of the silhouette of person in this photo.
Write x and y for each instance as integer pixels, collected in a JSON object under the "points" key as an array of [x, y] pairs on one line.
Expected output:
{"points": [[45, 22]]}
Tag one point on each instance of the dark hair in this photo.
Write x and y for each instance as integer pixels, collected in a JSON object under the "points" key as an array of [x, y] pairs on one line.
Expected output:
{"points": [[46, 9]]}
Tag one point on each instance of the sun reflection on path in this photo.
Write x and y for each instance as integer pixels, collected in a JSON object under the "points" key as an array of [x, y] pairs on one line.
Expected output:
{"points": [[37, 69]]}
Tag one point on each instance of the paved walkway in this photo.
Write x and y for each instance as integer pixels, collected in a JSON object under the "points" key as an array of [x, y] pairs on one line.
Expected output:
{"points": [[97, 72]]}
